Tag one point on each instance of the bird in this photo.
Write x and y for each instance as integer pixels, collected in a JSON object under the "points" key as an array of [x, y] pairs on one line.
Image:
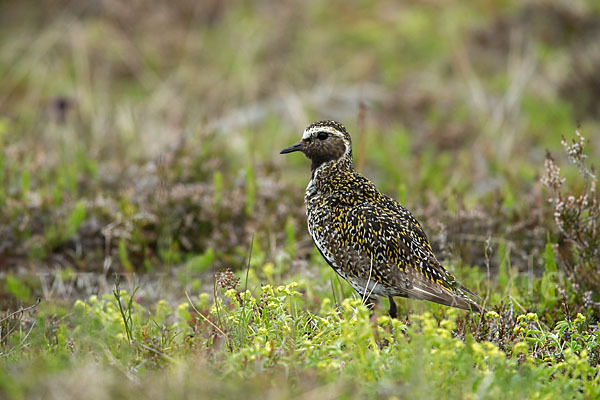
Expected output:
{"points": [[368, 238]]}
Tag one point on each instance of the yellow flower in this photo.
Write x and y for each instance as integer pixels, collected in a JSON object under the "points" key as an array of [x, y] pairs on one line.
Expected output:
{"points": [[444, 333], [580, 318], [477, 349], [492, 314], [520, 347], [326, 305], [79, 305], [448, 324], [532, 317]]}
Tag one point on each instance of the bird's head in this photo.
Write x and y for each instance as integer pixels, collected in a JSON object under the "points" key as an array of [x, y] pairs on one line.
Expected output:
{"points": [[324, 141]]}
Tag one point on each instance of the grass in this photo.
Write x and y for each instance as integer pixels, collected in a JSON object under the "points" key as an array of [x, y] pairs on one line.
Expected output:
{"points": [[143, 200], [272, 334]]}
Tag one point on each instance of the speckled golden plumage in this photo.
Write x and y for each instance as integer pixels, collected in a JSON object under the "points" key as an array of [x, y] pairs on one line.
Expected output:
{"points": [[368, 238]]}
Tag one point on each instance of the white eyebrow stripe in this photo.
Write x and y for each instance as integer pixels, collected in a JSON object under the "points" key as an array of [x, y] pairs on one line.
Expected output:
{"points": [[329, 129]]}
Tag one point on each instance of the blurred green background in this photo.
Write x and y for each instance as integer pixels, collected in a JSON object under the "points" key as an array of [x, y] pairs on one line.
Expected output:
{"points": [[151, 130], [142, 138]]}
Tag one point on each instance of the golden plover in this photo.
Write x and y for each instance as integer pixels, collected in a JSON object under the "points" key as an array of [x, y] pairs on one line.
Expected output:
{"points": [[368, 238]]}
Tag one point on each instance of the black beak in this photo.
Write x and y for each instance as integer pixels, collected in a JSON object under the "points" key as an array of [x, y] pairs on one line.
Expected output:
{"points": [[296, 147]]}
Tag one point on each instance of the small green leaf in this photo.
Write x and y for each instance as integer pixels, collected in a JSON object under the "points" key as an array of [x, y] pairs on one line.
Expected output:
{"points": [[75, 220], [217, 187], [548, 284], [123, 257], [549, 257], [202, 262], [250, 189], [17, 288], [504, 266]]}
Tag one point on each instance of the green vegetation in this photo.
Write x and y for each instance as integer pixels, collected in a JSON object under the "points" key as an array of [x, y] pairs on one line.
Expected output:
{"points": [[143, 199], [271, 337]]}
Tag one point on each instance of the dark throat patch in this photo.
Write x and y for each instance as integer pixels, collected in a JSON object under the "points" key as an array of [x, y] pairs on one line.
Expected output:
{"points": [[320, 152]]}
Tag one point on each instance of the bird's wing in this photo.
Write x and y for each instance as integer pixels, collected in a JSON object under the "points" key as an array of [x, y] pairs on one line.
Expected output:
{"points": [[388, 244]]}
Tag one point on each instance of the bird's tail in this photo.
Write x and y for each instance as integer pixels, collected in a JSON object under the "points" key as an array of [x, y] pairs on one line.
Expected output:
{"points": [[467, 300]]}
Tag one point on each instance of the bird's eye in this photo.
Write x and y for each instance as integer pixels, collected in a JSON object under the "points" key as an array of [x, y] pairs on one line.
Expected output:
{"points": [[322, 135]]}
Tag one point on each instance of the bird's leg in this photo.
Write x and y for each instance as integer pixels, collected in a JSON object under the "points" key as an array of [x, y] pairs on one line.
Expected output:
{"points": [[393, 309], [370, 303]]}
